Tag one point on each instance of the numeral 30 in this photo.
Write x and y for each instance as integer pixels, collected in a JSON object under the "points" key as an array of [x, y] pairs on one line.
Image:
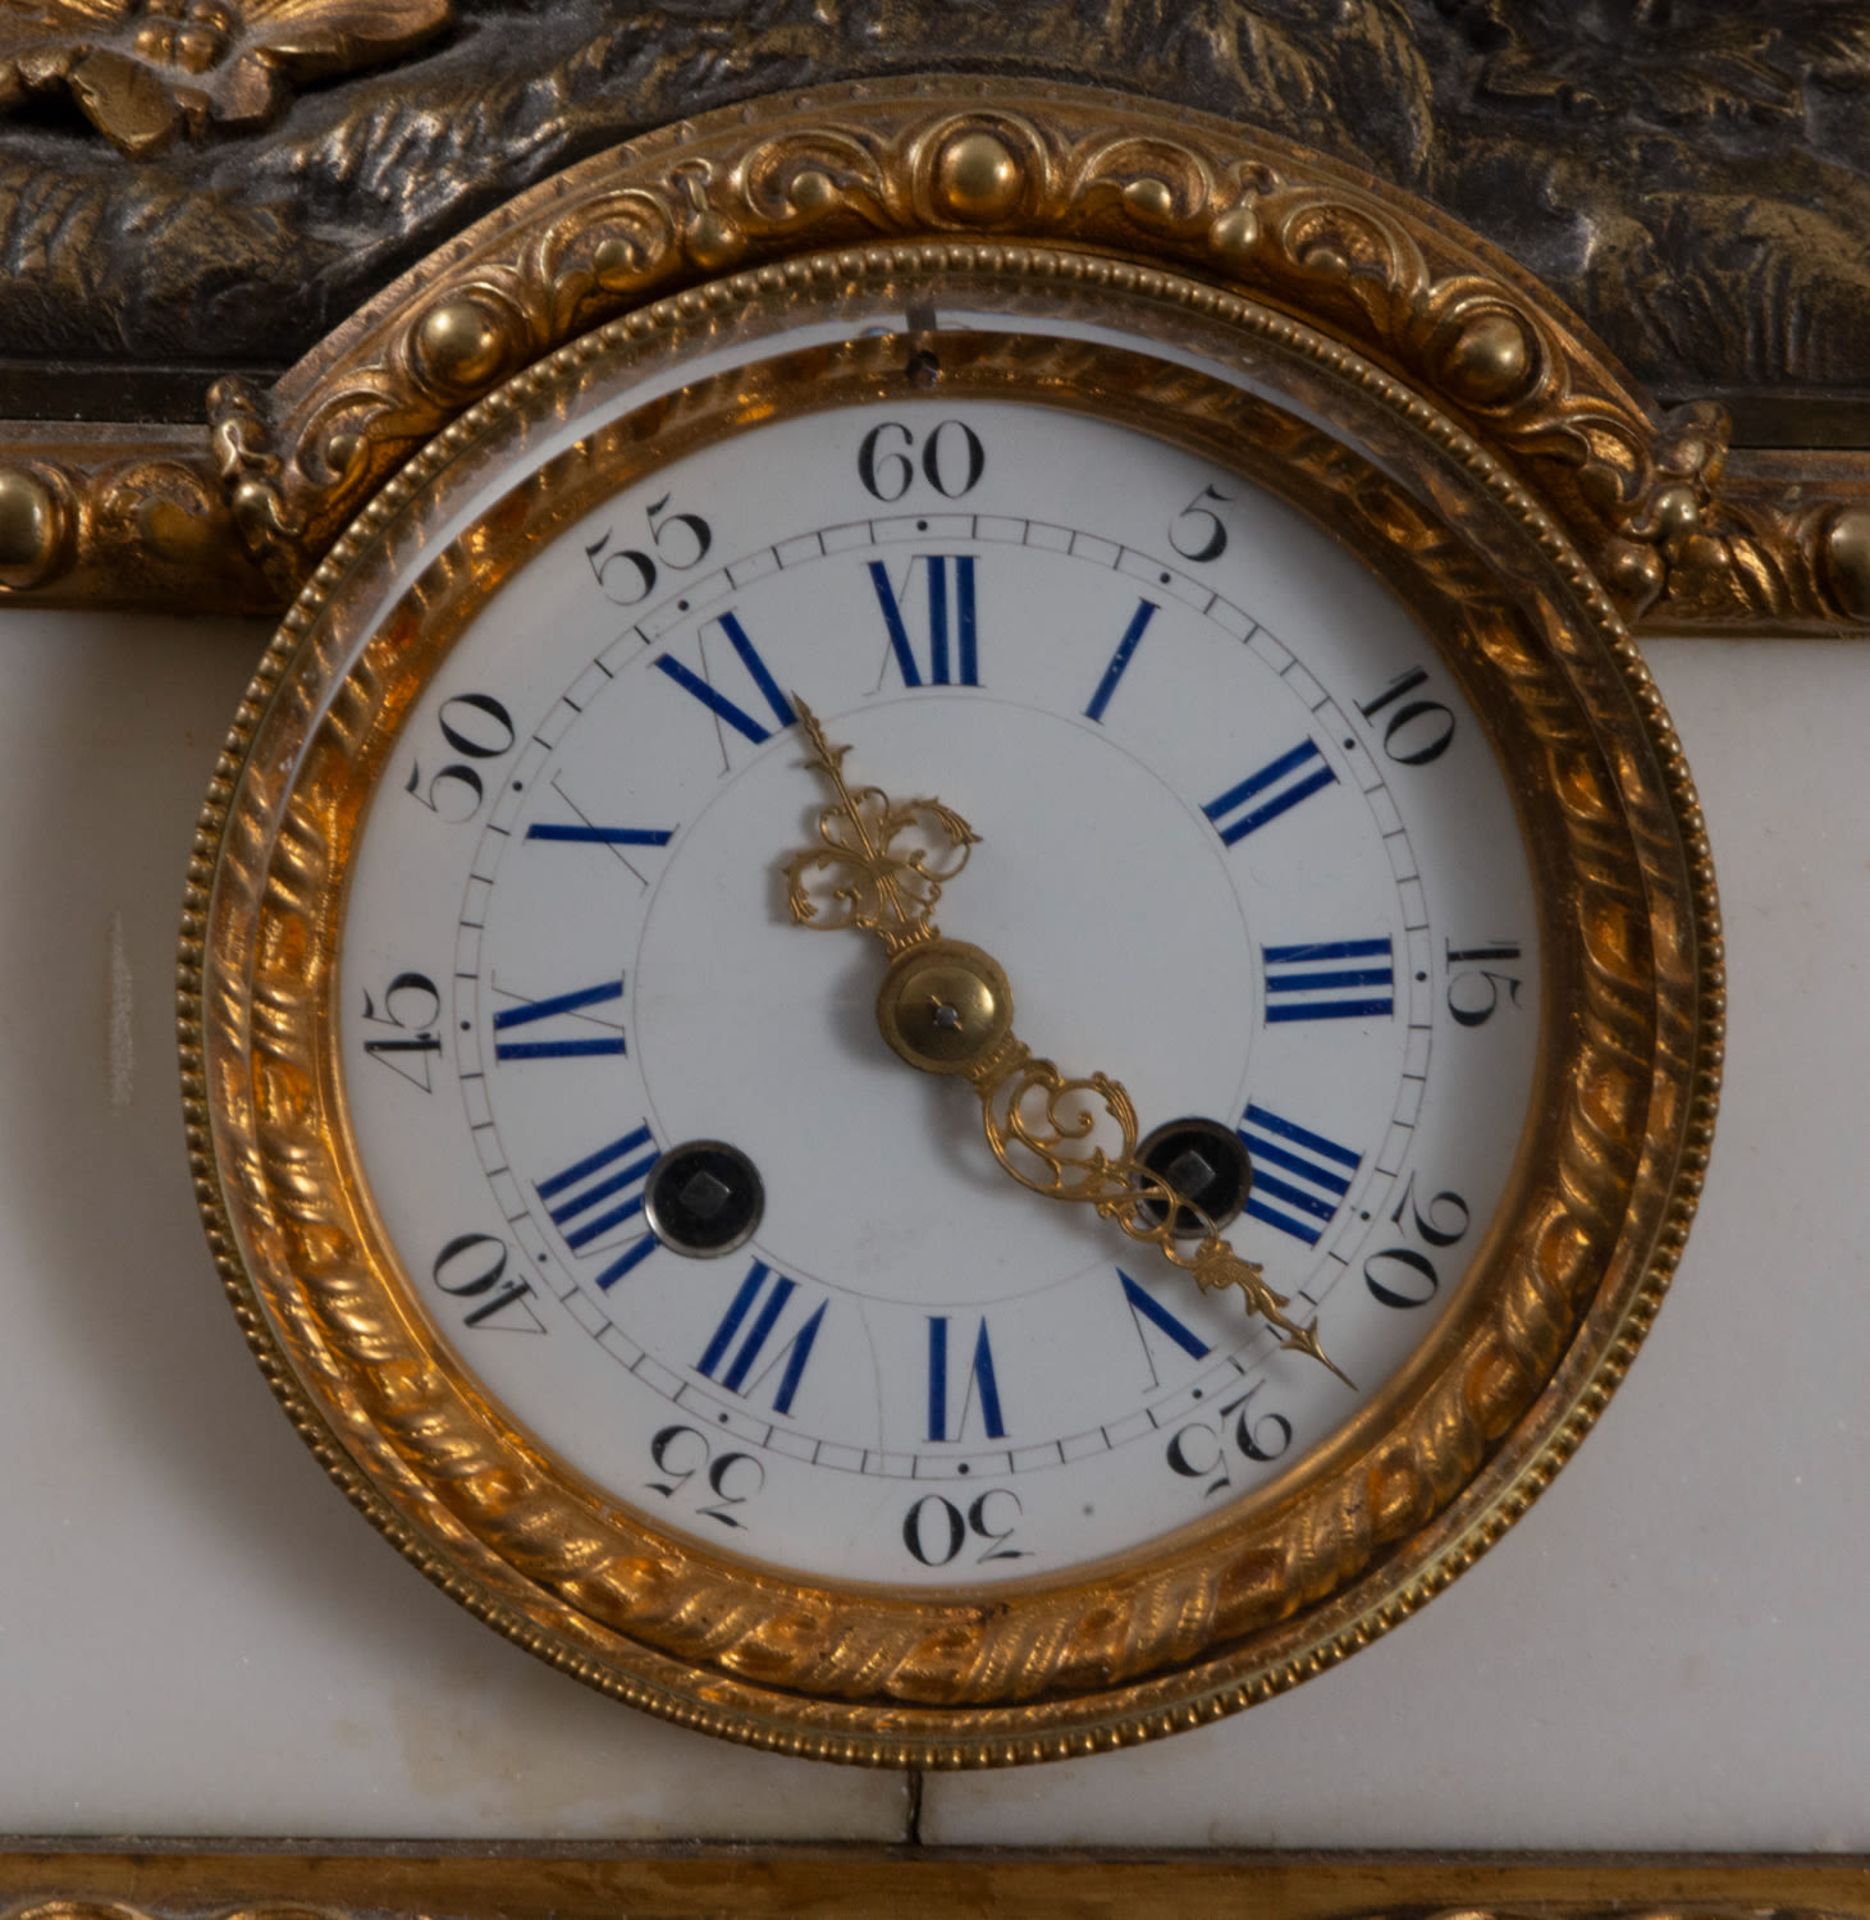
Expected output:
{"points": [[935, 1529]]}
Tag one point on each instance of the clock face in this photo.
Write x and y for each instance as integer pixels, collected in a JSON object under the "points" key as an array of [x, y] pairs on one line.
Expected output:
{"points": [[1166, 731], [633, 1132]]}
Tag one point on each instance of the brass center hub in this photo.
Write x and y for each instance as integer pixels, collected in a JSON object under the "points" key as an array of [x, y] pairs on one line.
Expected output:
{"points": [[943, 1005]]}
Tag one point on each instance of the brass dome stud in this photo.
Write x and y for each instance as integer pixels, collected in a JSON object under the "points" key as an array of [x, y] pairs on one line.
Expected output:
{"points": [[944, 1006]]}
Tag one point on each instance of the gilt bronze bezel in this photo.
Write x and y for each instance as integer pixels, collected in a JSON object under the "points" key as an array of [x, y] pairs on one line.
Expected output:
{"points": [[1216, 1618]]}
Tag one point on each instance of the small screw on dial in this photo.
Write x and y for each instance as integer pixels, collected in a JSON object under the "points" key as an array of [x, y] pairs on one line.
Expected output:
{"points": [[704, 1198], [1207, 1165]]}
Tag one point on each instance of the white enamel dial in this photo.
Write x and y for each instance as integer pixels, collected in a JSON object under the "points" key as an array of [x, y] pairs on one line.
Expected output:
{"points": [[1244, 847]]}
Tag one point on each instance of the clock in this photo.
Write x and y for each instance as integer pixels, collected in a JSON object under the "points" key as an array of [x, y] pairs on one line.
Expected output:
{"points": [[949, 1003]]}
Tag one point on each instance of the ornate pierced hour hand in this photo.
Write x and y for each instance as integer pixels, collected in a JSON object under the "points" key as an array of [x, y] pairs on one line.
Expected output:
{"points": [[946, 1007]]}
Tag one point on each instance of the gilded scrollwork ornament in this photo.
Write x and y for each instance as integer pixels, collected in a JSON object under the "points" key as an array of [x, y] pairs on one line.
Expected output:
{"points": [[978, 159], [882, 863], [142, 71]]}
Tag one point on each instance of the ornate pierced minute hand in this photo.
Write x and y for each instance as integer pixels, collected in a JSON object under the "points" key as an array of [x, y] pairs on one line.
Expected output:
{"points": [[946, 1007]]}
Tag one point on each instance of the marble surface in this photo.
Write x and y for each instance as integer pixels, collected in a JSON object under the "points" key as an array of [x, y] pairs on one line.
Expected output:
{"points": [[197, 1636]]}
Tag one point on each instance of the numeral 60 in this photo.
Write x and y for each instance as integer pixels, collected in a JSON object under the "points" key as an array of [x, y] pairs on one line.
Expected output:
{"points": [[953, 460]]}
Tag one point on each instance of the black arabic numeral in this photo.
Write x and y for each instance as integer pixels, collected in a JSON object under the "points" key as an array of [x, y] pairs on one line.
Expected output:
{"points": [[1404, 1277], [412, 1005], [1198, 545], [1474, 995], [477, 727], [1419, 730], [886, 469], [1447, 1217], [472, 1266], [953, 1527], [938, 467], [952, 461], [1181, 1457], [626, 576], [679, 1453], [1408, 1278], [751, 1475], [915, 1527], [675, 533], [980, 1522], [1261, 1437], [669, 1453]]}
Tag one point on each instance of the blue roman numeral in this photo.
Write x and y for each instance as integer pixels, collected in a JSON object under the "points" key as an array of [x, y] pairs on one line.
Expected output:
{"points": [[575, 1003], [1147, 1311], [1330, 980], [980, 1384], [1299, 1177], [1276, 788], [588, 836], [1126, 649], [760, 1316], [718, 703], [953, 628], [601, 1192]]}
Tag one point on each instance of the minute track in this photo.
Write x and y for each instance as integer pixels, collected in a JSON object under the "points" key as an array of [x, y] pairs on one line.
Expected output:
{"points": [[822, 548]]}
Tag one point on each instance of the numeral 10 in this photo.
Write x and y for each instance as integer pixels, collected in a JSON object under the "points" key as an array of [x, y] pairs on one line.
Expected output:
{"points": [[1419, 730]]}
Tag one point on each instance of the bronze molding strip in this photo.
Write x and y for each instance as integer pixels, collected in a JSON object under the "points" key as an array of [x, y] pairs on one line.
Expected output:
{"points": [[192, 1880], [103, 515], [1787, 553]]}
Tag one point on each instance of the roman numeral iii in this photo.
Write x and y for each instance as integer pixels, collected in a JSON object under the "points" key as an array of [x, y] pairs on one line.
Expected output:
{"points": [[1330, 980]]}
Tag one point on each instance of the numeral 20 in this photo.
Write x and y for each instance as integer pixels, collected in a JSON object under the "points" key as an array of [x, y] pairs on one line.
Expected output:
{"points": [[1403, 1277]]}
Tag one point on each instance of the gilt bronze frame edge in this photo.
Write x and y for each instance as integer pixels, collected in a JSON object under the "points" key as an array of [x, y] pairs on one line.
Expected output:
{"points": [[215, 1880], [232, 516]]}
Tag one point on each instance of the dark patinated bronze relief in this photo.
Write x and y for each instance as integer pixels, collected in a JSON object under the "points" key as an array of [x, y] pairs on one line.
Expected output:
{"points": [[191, 189]]}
